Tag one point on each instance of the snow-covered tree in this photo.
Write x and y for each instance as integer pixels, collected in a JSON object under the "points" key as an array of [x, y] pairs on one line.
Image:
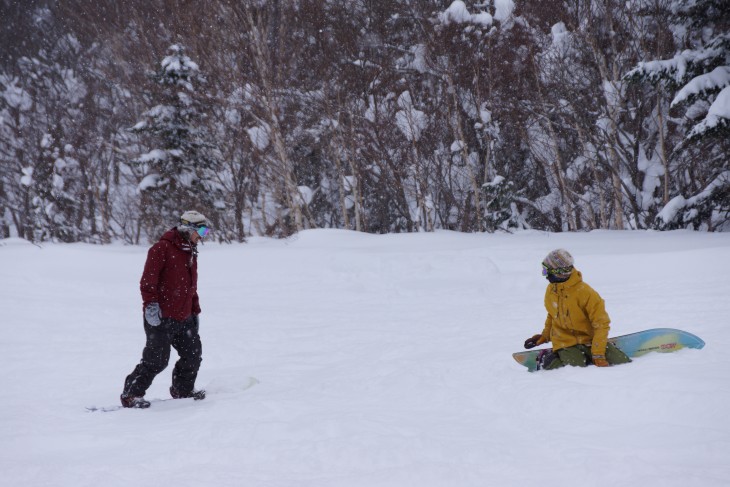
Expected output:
{"points": [[697, 78], [375, 116], [698, 75], [502, 213], [41, 119], [178, 172]]}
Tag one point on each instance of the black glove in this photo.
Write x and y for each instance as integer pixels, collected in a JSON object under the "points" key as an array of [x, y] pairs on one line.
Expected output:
{"points": [[196, 320], [153, 314], [534, 341]]}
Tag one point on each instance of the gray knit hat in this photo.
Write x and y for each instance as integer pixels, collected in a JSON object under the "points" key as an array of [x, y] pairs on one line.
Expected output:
{"points": [[559, 263]]}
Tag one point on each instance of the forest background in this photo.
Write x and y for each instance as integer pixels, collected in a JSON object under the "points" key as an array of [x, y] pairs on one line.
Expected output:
{"points": [[378, 116]]}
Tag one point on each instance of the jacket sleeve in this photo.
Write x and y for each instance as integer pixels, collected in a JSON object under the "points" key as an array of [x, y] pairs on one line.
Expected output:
{"points": [[600, 321], [148, 285], [196, 300], [548, 328]]}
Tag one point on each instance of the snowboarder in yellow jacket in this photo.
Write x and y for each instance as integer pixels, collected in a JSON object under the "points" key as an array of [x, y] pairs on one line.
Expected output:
{"points": [[577, 323]]}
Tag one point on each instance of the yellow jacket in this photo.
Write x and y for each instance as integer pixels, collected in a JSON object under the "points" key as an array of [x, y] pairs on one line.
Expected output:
{"points": [[576, 315]]}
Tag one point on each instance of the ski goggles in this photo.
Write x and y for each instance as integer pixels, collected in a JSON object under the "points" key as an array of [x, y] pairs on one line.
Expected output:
{"points": [[202, 230], [557, 271]]}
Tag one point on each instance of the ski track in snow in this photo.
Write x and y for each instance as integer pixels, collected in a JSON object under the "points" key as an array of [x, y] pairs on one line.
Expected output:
{"points": [[378, 361]]}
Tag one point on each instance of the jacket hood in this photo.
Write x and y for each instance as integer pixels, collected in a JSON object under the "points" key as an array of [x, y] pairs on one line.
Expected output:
{"points": [[175, 237]]}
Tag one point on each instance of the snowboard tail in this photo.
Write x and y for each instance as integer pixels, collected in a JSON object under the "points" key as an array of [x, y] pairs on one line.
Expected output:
{"points": [[661, 340]]}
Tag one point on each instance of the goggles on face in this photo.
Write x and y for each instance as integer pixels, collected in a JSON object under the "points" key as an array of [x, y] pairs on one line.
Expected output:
{"points": [[560, 270], [202, 230]]}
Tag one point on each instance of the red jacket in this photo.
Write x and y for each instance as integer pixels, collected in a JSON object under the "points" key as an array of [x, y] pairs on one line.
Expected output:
{"points": [[170, 277]]}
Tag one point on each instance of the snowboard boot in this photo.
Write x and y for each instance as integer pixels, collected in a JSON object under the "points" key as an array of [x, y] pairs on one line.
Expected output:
{"points": [[134, 401], [197, 395]]}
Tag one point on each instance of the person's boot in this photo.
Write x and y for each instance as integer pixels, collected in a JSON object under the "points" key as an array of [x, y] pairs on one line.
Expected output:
{"points": [[197, 395], [134, 401]]}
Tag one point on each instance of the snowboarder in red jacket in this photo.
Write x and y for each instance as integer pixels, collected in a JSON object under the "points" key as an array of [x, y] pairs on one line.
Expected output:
{"points": [[169, 287]]}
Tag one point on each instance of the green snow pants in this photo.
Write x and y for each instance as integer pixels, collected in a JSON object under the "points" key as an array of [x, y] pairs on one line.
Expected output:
{"points": [[580, 356]]}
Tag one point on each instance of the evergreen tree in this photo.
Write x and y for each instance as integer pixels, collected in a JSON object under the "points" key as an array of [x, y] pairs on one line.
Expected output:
{"points": [[700, 74], [501, 210], [40, 187], [179, 171]]}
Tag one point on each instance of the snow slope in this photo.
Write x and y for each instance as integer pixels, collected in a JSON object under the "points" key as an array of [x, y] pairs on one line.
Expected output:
{"points": [[337, 359]]}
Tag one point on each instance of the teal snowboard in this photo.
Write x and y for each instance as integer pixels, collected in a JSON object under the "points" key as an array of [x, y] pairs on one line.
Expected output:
{"points": [[634, 345]]}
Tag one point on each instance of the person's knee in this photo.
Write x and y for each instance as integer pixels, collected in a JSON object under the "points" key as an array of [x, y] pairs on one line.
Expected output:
{"points": [[615, 356], [155, 360], [574, 356]]}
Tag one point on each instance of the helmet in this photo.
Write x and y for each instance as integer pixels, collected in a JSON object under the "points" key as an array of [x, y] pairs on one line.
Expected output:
{"points": [[193, 218], [194, 222]]}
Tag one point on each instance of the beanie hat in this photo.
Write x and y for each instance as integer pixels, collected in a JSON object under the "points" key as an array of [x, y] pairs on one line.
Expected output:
{"points": [[559, 263]]}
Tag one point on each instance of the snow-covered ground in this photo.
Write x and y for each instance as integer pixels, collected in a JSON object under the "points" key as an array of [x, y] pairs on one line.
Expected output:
{"points": [[337, 359]]}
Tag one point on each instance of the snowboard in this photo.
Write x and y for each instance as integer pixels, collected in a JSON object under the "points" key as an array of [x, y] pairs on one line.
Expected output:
{"points": [[634, 345], [216, 386]]}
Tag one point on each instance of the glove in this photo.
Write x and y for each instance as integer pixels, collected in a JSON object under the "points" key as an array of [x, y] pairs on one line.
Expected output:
{"points": [[534, 341], [152, 314], [600, 361], [196, 320]]}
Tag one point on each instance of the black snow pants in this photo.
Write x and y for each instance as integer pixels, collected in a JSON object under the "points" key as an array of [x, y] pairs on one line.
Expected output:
{"points": [[184, 337]]}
